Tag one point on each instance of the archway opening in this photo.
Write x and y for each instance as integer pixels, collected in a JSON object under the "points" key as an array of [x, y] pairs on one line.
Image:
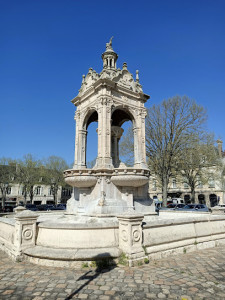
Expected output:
{"points": [[187, 199], [91, 140], [126, 144], [122, 138], [213, 200], [201, 199]]}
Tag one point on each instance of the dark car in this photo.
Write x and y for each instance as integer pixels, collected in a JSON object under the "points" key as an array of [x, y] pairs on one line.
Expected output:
{"points": [[8, 208], [32, 207], [51, 207], [42, 207], [61, 206]]}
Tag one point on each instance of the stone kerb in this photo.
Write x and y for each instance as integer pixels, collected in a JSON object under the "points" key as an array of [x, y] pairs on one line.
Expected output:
{"points": [[25, 231], [130, 236]]}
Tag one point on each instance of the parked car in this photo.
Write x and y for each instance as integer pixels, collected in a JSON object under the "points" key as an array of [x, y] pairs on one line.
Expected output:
{"points": [[42, 207], [8, 208], [178, 200], [61, 206], [172, 206], [32, 207], [51, 207], [175, 201], [196, 207]]}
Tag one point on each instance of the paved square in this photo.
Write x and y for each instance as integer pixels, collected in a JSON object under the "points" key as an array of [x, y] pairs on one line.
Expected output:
{"points": [[196, 275]]}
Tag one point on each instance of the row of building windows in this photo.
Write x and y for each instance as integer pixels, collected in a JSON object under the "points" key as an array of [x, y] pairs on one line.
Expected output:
{"points": [[39, 190], [211, 184]]}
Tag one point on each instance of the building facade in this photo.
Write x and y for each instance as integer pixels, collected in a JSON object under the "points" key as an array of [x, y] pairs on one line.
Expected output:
{"points": [[42, 195], [210, 193]]}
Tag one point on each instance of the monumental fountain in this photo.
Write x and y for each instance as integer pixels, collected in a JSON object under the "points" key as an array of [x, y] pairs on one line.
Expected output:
{"points": [[110, 187], [109, 214]]}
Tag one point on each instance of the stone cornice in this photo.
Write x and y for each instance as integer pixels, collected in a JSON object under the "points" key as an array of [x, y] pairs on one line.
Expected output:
{"points": [[113, 86]]}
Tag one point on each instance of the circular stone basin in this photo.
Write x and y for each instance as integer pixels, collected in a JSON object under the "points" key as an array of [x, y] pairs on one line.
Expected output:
{"points": [[129, 180], [81, 181]]}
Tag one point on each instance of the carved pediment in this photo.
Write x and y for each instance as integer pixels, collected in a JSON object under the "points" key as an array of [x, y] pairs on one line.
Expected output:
{"points": [[125, 78], [91, 77]]}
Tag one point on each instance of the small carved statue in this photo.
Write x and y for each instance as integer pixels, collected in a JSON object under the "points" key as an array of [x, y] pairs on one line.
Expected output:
{"points": [[109, 44]]}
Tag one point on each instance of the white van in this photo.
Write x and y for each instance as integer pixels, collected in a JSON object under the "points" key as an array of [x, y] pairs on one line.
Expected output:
{"points": [[178, 201]]}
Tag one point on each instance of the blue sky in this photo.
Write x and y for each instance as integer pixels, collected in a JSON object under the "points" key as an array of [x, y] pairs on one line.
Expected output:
{"points": [[46, 46]]}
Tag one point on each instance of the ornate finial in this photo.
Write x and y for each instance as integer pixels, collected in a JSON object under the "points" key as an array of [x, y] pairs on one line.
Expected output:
{"points": [[109, 44], [83, 78], [137, 76], [124, 66]]}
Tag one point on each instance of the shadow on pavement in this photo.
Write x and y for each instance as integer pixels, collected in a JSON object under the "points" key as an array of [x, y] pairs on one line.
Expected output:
{"points": [[102, 266]]}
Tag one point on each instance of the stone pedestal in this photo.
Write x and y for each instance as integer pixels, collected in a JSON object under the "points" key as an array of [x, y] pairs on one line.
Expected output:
{"points": [[19, 209], [25, 231], [130, 236]]}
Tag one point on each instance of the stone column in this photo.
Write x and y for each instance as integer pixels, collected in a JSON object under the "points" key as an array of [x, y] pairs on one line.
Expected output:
{"points": [[82, 147], [104, 134], [116, 133], [139, 140], [130, 236], [25, 231], [137, 156], [143, 146], [77, 119]]}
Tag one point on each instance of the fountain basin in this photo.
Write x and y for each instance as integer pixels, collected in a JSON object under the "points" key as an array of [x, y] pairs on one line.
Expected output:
{"points": [[81, 181], [80, 178], [129, 180]]}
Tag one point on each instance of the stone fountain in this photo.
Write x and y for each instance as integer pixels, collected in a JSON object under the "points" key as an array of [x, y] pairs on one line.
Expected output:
{"points": [[104, 217], [110, 187]]}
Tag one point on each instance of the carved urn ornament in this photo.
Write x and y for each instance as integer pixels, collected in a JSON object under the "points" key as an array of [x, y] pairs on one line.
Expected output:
{"points": [[110, 98]]}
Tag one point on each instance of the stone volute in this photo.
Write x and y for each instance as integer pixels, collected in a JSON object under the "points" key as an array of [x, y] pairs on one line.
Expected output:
{"points": [[109, 98]]}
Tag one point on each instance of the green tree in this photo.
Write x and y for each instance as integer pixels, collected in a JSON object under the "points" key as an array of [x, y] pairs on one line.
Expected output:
{"points": [[54, 167], [29, 174], [7, 176]]}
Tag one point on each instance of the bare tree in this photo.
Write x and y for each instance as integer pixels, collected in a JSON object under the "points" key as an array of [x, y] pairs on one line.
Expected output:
{"points": [[126, 147], [199, 160], [91, 163], [170, 127]]}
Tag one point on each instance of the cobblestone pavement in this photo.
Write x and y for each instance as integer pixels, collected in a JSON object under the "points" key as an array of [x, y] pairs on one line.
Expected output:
{"points": [[196, 275]]}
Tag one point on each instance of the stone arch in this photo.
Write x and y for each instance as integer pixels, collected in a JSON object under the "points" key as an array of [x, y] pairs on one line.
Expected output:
{"points": [[122, 113], [201, 199], [119, 116], [213, 200], [90, 115]]}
